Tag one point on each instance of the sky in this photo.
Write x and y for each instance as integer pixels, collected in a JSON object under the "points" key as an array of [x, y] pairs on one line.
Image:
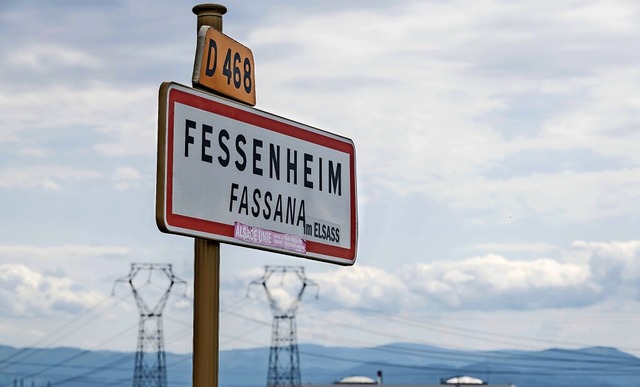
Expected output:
{"points": [[497, 153]]}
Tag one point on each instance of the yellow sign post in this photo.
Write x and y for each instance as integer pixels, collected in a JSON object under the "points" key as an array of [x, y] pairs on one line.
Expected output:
{"points": [[224, 66], [206, 281], [324, 227]]}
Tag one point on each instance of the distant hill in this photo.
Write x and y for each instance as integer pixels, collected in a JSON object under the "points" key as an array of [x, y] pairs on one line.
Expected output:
{"points": [[400, 363]]}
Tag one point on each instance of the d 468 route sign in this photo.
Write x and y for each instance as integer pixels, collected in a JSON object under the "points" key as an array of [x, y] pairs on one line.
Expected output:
{"points": [[225, 66], [235, 174]]}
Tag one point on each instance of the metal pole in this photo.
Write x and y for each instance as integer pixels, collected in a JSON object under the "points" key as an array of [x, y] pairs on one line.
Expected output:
{"points": [[206, 282]]}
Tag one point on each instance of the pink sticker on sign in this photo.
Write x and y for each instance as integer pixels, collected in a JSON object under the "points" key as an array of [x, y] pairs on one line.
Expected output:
{"points": [[269, 238]]}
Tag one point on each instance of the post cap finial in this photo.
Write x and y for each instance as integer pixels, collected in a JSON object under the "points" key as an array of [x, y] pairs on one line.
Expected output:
{"points": [[209, 9], [209, 15]]}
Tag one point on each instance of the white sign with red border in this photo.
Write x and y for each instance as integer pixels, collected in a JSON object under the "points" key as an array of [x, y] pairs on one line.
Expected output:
{"points": [[235, 174]]}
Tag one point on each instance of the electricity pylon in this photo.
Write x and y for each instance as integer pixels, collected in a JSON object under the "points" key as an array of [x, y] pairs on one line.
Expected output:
{"points": [[284, 359], [150, 362]]}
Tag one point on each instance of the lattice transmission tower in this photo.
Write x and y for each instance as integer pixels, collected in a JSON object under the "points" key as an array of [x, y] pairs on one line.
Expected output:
{"points": [[150, 362], [284, 299]]}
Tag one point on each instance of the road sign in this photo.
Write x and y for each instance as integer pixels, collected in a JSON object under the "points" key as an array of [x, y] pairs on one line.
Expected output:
{"points": [[235, 174], [225, 66]]}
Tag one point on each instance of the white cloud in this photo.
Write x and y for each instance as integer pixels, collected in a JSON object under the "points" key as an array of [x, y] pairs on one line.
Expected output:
{"points": [[536, 248], [28, 293], [34, 152], [494, 282], [125, 116], [51, 178], [364, 286], [434, 95], [126, 173], [45, 57], [126, 178], [71, 252], [584, 274], [615, 266], [444, 101], [567, 195], [612, 16]]}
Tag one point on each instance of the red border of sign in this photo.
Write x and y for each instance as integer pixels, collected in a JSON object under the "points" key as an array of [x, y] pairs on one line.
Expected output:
{"points": [[176, 93]]}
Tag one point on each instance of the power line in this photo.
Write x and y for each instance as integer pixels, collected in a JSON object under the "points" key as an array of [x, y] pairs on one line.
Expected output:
{"points": [[592, 359], [28, 352], [544, 370], [472, 333], [76, 356]]}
